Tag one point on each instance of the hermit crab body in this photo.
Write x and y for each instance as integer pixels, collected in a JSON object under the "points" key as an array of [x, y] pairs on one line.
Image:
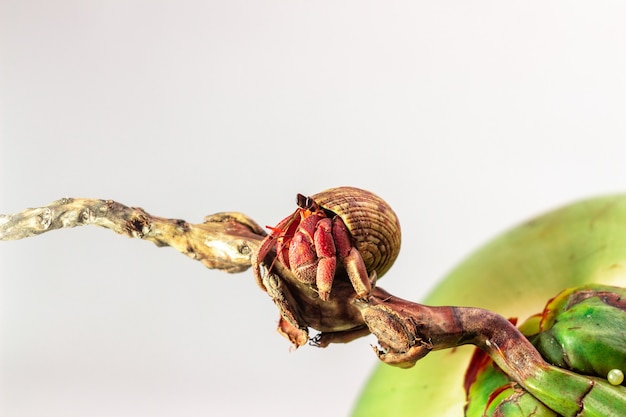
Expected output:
{"points": [[340, 228], [341, 235]]}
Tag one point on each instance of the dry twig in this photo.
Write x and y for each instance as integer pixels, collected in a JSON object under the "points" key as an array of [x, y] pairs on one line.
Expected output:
{"points": [[406, 331], [223, 241]]}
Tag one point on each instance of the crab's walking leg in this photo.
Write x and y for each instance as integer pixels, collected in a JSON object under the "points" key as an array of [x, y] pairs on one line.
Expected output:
{"points": [[327, 260], [223, 241], [352, 260], [290, 321]]}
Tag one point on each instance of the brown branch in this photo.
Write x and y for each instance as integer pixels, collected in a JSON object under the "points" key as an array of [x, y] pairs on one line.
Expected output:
{"points": [[223, 241], [406, 331], [445, 327]]}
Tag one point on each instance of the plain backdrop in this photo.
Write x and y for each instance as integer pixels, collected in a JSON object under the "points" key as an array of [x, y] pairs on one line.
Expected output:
{"points": [[467, 117]]}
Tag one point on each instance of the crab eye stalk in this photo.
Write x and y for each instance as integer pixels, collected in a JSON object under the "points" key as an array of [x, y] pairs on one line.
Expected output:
{"points": [[303, 201]]}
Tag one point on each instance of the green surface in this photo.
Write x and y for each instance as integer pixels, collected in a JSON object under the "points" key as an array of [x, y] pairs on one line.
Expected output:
{"points": [[515, 274]]}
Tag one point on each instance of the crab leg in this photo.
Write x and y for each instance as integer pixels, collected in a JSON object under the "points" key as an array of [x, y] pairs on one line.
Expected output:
{"points": [[327, 258], [352, 260]]}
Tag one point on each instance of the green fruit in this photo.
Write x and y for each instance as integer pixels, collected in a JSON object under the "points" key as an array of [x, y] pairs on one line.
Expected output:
{"points": [[513, 275], [492, 393], [582, 329]]}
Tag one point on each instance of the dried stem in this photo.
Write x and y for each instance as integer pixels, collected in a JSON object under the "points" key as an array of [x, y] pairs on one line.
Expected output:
{"points": [[227, 241], [406, 331], [223, 241]]}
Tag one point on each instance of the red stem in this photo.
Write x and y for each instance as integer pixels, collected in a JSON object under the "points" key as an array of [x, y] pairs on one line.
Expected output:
{"points": [[448, 327]]}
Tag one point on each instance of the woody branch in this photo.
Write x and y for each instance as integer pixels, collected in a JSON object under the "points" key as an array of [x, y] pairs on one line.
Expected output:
{"points": [[223, 241]]}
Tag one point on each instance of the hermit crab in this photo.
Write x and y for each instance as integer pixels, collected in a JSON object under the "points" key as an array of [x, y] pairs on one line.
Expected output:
{"points": [[338, 236]]}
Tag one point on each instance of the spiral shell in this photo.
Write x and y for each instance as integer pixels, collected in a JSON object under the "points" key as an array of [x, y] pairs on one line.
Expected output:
{"points": [[372, 223]]}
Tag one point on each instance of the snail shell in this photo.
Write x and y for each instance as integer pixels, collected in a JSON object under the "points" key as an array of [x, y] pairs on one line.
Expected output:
{"points": [[372, 223]]}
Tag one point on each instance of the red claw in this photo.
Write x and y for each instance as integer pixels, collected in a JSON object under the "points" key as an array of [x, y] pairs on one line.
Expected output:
{"points": [[310, 244]]}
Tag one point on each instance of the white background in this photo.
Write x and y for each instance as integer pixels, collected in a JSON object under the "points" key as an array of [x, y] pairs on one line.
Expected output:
{"points": [[468, 117]]}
